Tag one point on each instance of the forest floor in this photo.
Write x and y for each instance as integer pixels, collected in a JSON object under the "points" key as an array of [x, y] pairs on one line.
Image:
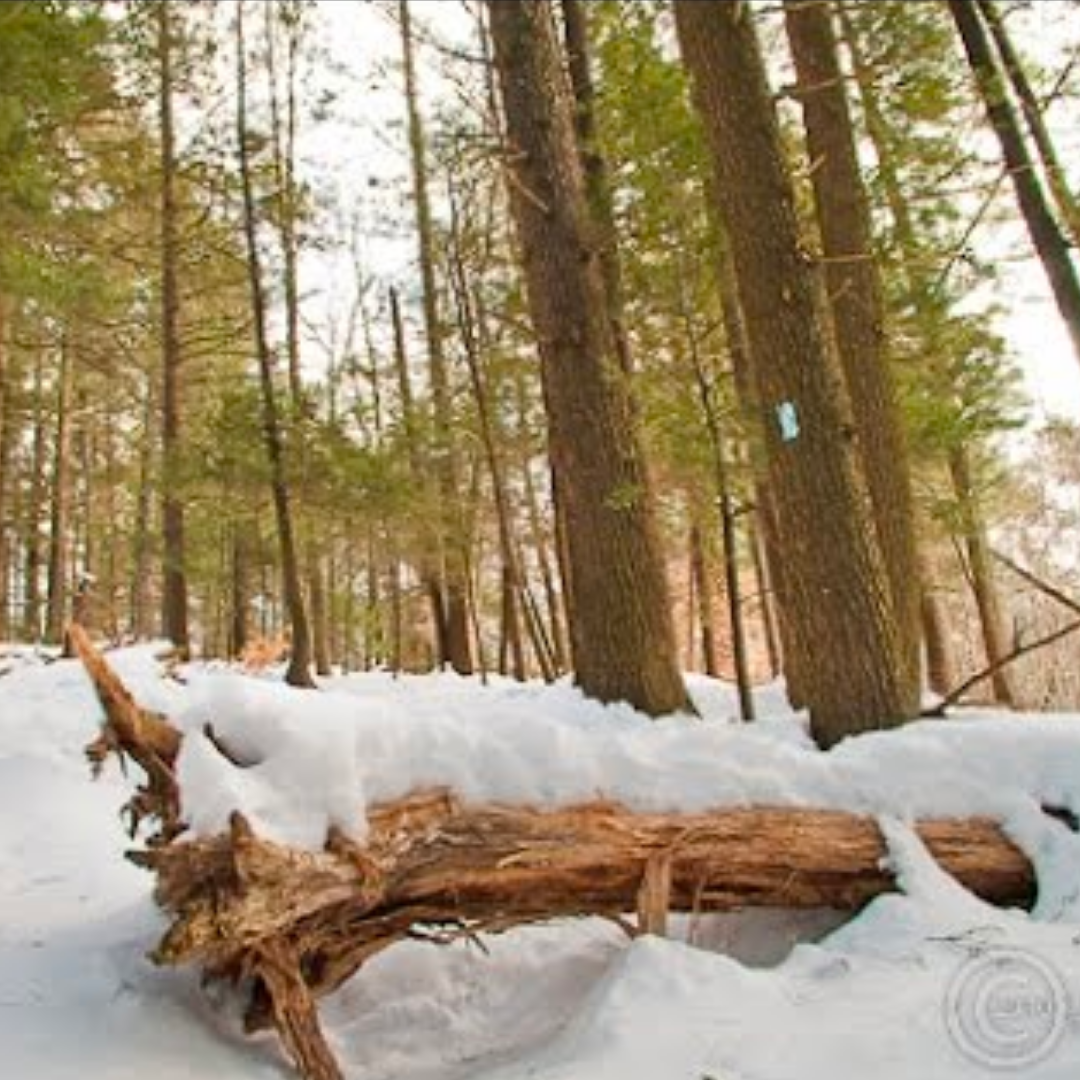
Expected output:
{"points": [[929, 982]]}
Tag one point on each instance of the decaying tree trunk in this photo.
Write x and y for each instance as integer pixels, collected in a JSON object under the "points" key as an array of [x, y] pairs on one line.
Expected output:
{"points": [[292, 925]]}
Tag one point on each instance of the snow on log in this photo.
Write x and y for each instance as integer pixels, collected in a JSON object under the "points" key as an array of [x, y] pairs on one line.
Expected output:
{"points": [[293, 925]]}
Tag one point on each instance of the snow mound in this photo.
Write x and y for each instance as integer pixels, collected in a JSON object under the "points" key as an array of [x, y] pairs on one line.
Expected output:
{"points": [[926, 982], [315, 760]]}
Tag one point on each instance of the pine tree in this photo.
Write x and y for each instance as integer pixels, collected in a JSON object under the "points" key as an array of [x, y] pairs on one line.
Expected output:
{"points": [[852, 279], [1046, 237], [174, 598], [621, 633], [836, 575]]}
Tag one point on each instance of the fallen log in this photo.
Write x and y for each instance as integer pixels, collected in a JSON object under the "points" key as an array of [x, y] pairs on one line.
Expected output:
{"points": [[293, 925], [130, 731]]}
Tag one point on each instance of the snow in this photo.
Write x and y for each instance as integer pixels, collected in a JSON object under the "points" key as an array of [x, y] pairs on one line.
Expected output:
{"points": [[310, 763], [927, 982]]}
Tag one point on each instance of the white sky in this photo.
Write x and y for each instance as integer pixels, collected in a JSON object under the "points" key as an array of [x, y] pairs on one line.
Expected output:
{"points": [[360, 157]]}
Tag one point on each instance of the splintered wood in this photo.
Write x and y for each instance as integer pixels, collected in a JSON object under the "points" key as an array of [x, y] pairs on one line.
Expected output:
{"points": [[291, 926]]}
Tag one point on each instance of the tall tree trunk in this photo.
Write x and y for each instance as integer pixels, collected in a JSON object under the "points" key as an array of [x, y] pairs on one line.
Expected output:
{"points": [[283, 124], [455, 644], [1045, 235], [622, 636], [1067, 206], [512, 578], [594, 167], [541, 544], [60, 500], [429, 578], [728, 526], [941, 662], [852, 277], [987, 600], [701, 579], [35, 511], [941, 673], [770, 551], [240, 602], [141, 548], [857, 679], [174, 576], [767, 600], [320, 642], [299, 670]]}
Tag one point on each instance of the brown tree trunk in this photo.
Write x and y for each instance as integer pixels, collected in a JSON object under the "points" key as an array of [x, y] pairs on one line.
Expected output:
{"points": [[622, 637], [60, 500], [35, 510], [853, 280], [704, 381], [174, 577], [1068, 209], [769, 552], [541, 544], [455, 644], [834, 574], [940, 659], [983, 586], [240, 604], [941, 673], [767, 599], [701, 578], [141, 547], [512, 579], [594, 167], [320, 641], [429, 578], [299, 670], [1045, 235]]}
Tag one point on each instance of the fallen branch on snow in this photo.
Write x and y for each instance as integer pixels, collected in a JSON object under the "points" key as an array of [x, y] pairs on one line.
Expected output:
{"points": [[293, 925]]}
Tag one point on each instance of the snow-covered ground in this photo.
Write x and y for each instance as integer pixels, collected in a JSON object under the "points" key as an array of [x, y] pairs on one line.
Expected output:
{"points": [[928, 983]]}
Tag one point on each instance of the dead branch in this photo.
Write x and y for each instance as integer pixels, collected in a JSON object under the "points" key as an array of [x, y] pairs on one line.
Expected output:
{"points": [[955, 695], [130, 731], [1043, 586]]}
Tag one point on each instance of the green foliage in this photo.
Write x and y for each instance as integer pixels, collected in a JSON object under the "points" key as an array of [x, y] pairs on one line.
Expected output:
{"points": [[959, 383]]}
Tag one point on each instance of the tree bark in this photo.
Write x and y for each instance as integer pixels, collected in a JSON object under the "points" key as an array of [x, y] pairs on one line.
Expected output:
{"points": [[320, 640], [1051, 247], [940, 666], [853, 281], [174, 576], [594, 167], [60, 499], [541, 543], [701, 578], [983, 586], [704, 381], [622, 637], [35, 510], [835, 581], [240, 601], [429, 577], [141, 554], [767, 553], [299, 670]]}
